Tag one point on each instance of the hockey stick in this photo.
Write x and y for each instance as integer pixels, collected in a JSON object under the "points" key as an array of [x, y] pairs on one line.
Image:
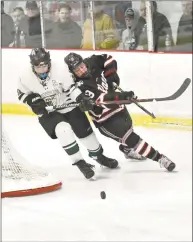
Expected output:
{"points": [[142, 108], [70, 105], [174, 96], [136, 102], [51, 109]]}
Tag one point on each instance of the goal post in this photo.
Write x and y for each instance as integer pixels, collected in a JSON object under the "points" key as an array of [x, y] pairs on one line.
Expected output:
{"points": [[20, 177]]}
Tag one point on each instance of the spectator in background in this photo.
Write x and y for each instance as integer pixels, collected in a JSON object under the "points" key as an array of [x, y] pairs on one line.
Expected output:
{"points": [[17, 15], [7, 28], [184, 33], [53, 11], [162, 32], [105, 34], [130, 35], [30, 27], [109, 8], [66, 33], [120, 9]]}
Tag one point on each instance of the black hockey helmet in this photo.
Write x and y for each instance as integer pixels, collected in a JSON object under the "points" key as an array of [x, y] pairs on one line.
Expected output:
{"points": [[76, 65], [73, 60], [39, 56]]}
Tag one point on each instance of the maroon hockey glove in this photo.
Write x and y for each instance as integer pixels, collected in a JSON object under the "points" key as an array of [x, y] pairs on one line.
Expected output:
{"points": [[119, 96]]}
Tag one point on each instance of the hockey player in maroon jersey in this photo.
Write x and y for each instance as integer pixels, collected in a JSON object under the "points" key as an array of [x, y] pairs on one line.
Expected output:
{"points": [[95, 77]]}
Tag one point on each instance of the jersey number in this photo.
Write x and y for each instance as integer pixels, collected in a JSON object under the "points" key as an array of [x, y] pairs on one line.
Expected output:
{"points": [[89, 93]]}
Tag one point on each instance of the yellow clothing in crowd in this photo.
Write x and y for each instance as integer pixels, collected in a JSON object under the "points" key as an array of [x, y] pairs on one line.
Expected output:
{"points": [[105, 37]]}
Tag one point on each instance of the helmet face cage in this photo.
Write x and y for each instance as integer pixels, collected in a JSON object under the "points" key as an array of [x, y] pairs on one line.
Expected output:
{"points": [[81, 70], [40, 56]]}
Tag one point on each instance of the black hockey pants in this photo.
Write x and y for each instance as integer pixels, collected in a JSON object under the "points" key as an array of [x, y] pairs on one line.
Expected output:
{"points": [[119, 127]]}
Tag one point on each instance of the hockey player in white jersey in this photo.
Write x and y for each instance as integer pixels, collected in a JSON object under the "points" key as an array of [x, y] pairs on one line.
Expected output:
{"points": [[46, 88]]}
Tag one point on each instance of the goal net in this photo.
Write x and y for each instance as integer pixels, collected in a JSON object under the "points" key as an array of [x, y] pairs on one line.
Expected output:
{"points": [[21, 178]]}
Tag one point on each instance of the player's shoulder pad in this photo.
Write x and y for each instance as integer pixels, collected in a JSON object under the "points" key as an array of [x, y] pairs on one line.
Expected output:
{"points": [[106, 56], [90, 61], [96, 60], [60, 71], [90, 58]]}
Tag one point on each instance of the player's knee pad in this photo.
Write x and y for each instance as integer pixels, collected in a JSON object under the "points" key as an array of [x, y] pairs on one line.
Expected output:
{"points": [[67, 139], [64, 133]]}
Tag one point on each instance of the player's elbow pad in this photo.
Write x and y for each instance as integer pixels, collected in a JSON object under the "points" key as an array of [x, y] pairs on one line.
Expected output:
{"points": [[110, 66]]}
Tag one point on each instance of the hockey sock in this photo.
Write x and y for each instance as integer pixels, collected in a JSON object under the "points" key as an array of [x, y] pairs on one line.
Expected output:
{"points": [[73, 151], [146, 150], [92, 144], [141, 147], [95, 153]]}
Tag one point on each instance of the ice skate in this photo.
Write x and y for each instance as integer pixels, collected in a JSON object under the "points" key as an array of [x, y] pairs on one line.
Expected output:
{"points": [[167, 163], [131, 154], [85, 168], [107, 162]]}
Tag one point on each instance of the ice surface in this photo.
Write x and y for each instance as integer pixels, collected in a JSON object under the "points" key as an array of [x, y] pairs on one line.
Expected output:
{"points": [[144, 202]]}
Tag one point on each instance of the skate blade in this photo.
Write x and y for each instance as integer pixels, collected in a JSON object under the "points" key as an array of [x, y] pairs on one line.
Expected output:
{"points": [[93, 178], [136, 160], [109, 170]]}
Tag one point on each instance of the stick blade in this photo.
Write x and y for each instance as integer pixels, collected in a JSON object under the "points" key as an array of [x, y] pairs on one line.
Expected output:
{"points": [[174, 96], [182, 89]]}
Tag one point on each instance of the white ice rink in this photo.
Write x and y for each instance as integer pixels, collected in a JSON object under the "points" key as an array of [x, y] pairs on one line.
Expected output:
{"points": [[144, 202]]}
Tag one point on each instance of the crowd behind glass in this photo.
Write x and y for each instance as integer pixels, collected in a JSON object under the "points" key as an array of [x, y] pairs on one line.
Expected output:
{"points": [[112, 25]]}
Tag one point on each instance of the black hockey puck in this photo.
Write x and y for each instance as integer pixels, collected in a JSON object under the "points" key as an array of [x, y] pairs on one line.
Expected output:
{"points": [[103, 195]]}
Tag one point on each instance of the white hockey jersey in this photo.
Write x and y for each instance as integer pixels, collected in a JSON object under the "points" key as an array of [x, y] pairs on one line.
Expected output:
{"points": [[57, 89]]}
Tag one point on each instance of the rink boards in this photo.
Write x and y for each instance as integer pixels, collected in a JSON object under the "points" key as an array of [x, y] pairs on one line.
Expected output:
{"points": [[148, 75]]}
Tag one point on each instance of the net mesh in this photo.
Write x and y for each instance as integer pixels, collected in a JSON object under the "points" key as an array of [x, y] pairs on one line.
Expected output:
{"points": [[20, 175]]}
